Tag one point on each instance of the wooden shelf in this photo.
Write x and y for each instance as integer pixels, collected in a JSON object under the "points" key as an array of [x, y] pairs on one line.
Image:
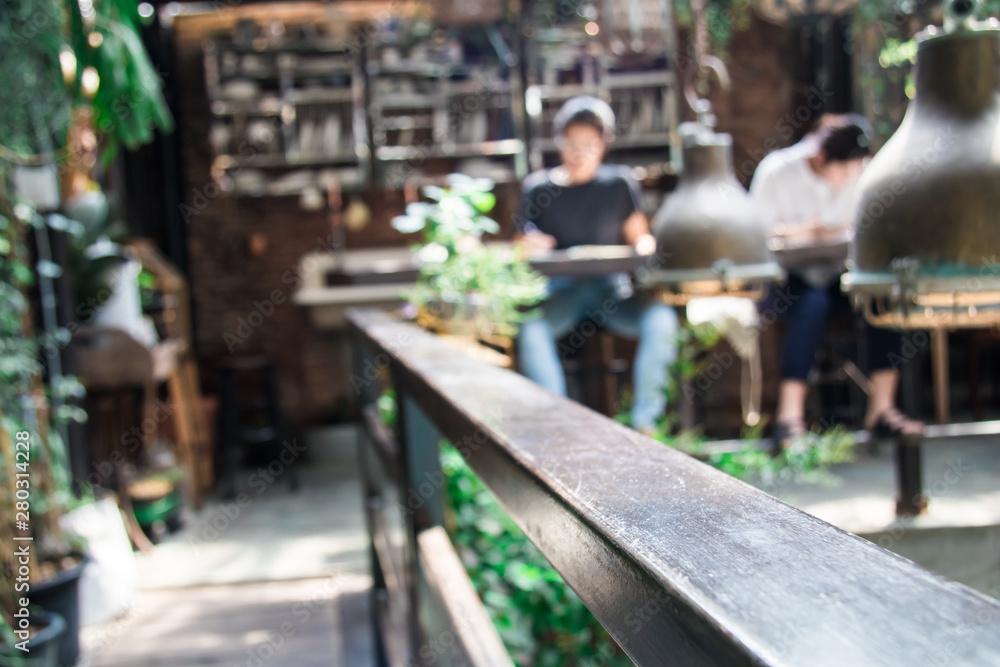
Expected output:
{"points": [[320, 95], [270, 107], [325, 47], [281, 162], [485, 149]]}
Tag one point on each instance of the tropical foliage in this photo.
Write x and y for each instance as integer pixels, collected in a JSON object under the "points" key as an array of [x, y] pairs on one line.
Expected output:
{"points": [[807, 461], [65, 54], [66, 64], [540, 619]]}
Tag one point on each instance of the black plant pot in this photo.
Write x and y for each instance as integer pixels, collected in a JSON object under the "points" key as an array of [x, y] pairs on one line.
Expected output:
{"points": [[43, 648], [61, 595]]}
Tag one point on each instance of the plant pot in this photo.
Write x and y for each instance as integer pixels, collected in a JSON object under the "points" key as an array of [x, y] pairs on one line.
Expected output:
{"points": [[470, 317], [61, 595], [157, 506], [108, 585], [43, 647]]}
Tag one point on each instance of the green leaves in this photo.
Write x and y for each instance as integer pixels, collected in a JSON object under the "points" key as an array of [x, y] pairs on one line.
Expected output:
{"points": [[807, 460], [458, 271], [484, 203], [538, 616], [386, 407], [128, 104], [35, 98]]}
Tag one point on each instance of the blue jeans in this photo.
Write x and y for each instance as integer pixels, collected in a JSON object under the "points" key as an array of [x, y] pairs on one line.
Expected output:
{"points": [[807, 316], [585, 305]]}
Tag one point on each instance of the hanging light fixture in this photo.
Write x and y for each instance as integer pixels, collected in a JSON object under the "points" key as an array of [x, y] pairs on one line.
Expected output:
{"points": [[710, 237], [927, 234]]}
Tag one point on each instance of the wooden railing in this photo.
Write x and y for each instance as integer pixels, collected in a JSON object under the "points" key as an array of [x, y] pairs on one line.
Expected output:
{"points": [[684, 565]]}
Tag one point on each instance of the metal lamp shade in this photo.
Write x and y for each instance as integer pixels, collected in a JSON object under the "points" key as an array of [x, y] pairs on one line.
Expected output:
{"points": [[710, 236], [927, 233]]}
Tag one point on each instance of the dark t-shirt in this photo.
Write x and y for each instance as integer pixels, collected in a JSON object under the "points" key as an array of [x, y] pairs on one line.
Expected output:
{"points": [[591, 213]]}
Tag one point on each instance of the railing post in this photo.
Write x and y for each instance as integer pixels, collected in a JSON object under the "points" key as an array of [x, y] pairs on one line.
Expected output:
{"points": [[366, 390], [909, 459], [421, 489]]}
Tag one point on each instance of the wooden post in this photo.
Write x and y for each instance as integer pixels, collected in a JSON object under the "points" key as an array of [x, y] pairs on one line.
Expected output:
{"points": [[184, 421], [909, 460], [421, 486], [939, 364]]}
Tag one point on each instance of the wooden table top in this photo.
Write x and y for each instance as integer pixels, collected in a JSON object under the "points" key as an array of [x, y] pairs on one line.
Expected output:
{"points": [[578, 262]]}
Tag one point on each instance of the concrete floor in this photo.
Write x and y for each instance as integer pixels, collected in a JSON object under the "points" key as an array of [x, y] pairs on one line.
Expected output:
{"points": [[280, 578], [958, 537]]}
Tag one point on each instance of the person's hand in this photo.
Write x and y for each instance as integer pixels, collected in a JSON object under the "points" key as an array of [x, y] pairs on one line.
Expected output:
{"points": [[645, 244], [800, 235], [536, 241], [832, 235]]}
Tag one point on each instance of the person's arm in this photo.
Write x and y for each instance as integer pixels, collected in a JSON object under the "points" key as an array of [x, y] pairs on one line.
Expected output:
{"points": [[637, 234], [766, 192], [528, 236], [636, 228], [533, 240]]}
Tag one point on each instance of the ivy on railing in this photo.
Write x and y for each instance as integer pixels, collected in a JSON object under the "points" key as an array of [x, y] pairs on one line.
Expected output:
{"points": [[540, 619]]}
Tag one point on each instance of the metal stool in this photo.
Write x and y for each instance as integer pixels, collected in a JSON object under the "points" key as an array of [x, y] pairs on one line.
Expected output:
{"points": [[250, 421]]}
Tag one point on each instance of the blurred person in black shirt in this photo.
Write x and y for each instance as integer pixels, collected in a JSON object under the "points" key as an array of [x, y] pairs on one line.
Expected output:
{"points": [[585, 202]]}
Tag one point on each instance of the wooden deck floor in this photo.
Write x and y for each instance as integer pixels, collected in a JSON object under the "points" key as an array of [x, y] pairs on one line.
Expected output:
{"points": [[284, 582], [308, 623]]}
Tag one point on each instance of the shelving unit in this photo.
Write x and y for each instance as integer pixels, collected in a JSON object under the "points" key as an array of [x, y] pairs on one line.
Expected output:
{"points": [[436, 108], [292, 105], [288, 108], [626, 63]]}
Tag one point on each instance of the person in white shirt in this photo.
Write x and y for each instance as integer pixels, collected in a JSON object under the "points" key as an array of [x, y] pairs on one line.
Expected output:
{"points": [[808, 195]]}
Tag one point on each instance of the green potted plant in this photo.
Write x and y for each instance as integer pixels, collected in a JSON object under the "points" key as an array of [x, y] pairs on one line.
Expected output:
{"points": [[465, 287]]}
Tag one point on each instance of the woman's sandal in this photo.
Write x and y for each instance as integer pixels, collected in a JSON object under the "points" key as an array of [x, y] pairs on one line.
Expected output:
{"points": [[892, 423], [786, 432]]}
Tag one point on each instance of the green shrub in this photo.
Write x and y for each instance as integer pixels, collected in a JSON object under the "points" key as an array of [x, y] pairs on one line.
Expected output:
{"points": [[540, 619]]}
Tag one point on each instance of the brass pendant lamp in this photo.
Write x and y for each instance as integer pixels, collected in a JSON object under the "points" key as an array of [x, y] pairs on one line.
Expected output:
{"points": [[710, 237], [927, 233]]}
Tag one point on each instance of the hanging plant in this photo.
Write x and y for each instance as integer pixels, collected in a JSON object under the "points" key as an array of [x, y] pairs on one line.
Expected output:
{"points": [[722, 18], [61, 55], [76, 74], [35, 487]]}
